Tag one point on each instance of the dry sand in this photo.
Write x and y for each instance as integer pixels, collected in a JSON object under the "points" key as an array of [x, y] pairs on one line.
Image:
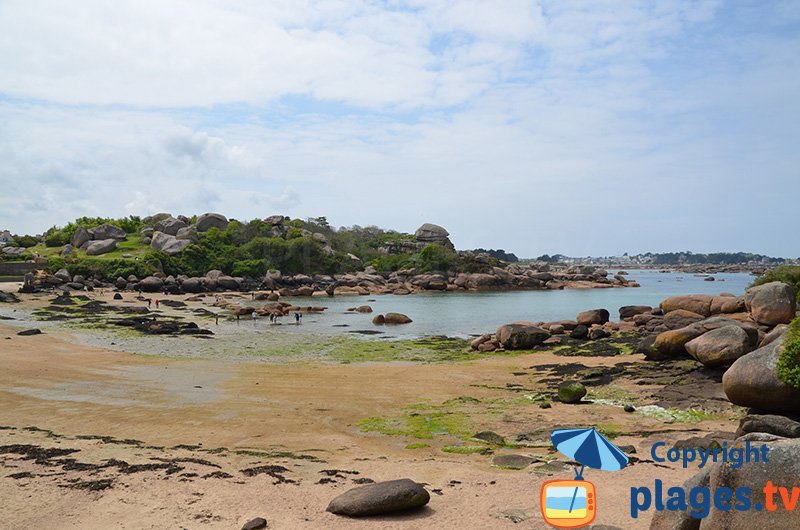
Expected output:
{"points": [[232, 415]]}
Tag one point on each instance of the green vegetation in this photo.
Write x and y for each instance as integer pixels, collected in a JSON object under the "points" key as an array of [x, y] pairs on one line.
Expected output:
{"points": [[789, 362], [673, 415], [251, 248], [467, 449], [417, 445], [416, 425], [785, 273], [58, 237], [714, 258]]}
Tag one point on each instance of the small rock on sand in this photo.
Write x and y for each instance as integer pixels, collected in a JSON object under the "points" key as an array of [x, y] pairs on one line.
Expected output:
{"points": [[255, 524], [380, 498]]}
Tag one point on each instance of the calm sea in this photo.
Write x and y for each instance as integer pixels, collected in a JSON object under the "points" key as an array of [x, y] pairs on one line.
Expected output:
{"points": [[464, 314]]}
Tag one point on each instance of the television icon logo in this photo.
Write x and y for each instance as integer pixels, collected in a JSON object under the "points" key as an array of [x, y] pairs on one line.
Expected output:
{"points": [[573, 503], [568, 503]]}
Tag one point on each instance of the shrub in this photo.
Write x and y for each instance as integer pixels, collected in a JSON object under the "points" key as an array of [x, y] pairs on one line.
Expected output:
{"points": [[789, 362], [250, 268], [24, 241], [785, 273], [108, 269]]}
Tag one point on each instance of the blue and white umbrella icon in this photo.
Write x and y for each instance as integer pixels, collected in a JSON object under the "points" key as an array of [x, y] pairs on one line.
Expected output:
{"points": [[589, 448]]}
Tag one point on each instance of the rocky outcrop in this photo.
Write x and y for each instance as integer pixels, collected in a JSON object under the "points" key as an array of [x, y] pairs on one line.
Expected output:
{"points": [[672, 343], [380, 498], [752, 381], [771, 303], [95, 248], [207, 221], [431, 233]]}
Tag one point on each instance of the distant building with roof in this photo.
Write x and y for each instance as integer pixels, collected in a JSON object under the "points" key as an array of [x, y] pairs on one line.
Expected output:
{"points": [[5, 238]]}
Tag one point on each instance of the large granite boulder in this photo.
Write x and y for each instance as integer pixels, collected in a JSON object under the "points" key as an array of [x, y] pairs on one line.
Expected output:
{"points": [[680, 318], [520, 336], [671, 344], [721, 346], [716, 322], [696, 303], [771, 303], [380, 498], [188, 232], [727, 304], [275, 220], [151, 220], [169, 226], [593, 316], [228, 283], [770, 424], [168, 244], [207, 221], [396, 318], [108, 231], [151, 284], [630, 311], [752, 381], [80, 237], [192, 285], [431, 233], [63, 275], [95, 248]]}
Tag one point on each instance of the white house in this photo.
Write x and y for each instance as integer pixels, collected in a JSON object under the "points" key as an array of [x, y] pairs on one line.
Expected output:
{"points": [[5, 238]]}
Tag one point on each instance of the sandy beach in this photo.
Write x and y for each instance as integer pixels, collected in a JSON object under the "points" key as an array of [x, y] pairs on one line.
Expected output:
{"points": [[154, 441]]}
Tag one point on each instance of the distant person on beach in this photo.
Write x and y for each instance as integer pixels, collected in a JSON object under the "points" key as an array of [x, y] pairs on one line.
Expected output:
{"points": [[255, 316], [149, 300], [156, 303], [297, 318], [216, 319]]}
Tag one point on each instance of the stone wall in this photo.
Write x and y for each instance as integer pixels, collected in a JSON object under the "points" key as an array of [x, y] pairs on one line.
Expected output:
{"points": [[15, 270]]}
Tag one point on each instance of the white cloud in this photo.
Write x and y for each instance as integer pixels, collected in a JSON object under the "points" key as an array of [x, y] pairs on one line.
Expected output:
{"points": [[578, 127]]}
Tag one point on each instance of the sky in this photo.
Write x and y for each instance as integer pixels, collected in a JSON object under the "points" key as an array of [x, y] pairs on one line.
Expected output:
{"points": [[572, 127]]}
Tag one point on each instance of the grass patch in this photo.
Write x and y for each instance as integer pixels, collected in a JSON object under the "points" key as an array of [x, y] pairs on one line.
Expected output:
{"points": [[417, 445]]}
